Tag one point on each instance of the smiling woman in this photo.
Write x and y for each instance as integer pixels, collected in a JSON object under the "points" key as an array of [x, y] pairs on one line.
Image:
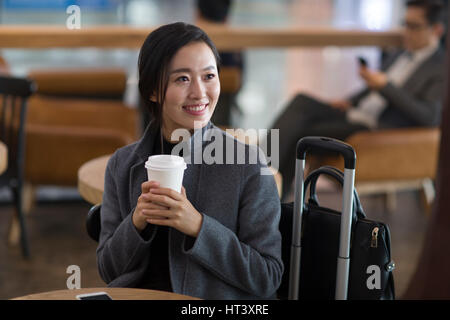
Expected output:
{"points": [[216, 239], [192, 90]]}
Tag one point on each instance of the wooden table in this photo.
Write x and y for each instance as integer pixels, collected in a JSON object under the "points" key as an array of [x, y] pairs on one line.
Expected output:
{"points": [[225, 38], [3, 157], [115, 293], [91, 177]]}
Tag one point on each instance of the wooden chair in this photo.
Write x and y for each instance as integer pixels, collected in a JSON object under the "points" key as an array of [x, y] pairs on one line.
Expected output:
{"points": [[15, 93], [96, 83], [75, 116], [93, 222], [393, 160]]}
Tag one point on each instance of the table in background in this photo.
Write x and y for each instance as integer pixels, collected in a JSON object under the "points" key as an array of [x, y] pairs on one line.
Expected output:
{"points": [[115, 293], [91, 179], [225, 38], [3, 157]]}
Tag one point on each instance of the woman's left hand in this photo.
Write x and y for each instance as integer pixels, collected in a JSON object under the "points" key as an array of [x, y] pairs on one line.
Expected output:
{"points": [[180, 213]]}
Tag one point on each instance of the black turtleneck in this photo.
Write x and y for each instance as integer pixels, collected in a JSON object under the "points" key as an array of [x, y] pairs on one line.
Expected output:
{"points": [[158, 276]]}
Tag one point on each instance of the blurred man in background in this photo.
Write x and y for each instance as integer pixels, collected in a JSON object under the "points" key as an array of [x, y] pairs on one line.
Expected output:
{"points": [[407, 92]]}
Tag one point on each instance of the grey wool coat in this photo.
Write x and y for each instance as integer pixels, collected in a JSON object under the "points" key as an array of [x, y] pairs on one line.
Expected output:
{"points": [[237, 254]]}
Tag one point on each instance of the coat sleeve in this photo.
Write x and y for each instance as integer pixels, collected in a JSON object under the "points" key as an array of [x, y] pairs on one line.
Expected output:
{"points": [[423, 110], [249, 259], [122, 249]]}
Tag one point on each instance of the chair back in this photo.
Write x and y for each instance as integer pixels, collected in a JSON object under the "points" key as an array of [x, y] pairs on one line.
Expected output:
{"points": [[93, 225], [14, 94]]}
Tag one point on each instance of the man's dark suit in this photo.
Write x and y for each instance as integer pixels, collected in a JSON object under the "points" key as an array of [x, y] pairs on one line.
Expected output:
{"points": [[417, 103]]}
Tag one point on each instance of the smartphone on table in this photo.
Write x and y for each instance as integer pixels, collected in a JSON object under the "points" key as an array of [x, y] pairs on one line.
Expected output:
{"points": [[94, 296]]}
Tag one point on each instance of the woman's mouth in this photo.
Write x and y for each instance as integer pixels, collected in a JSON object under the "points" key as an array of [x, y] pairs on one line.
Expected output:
{"points": [[196, 109]]}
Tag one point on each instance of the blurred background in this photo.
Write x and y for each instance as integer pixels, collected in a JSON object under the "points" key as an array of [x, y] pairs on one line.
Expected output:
{"points": [[271, 76]]}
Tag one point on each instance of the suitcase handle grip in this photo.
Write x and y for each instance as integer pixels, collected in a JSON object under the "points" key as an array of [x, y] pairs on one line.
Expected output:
{"points": [[329, 144], [311, 180]]}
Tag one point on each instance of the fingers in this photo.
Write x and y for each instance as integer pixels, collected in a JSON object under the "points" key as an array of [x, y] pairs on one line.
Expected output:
{"points": [[365, 72], [157, 216], [161, 199], [168, 192], [156, 213], [154, 185], [152, 205], [147, 185]]}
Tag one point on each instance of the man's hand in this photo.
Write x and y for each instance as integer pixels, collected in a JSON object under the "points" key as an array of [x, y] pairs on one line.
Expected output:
{"points": [[342, 105], [374, 79]]}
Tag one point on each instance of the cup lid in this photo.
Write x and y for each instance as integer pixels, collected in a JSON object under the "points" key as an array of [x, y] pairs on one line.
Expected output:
{"points": [[165, 162]]}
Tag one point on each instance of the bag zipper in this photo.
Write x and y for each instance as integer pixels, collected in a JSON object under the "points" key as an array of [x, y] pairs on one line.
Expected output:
{"points": [[374, 242]]}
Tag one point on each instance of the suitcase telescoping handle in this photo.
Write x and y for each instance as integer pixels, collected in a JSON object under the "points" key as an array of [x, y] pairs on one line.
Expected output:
{"points": [[343, 262]]}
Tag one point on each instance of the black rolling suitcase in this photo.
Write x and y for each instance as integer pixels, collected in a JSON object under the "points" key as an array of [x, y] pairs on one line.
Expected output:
{"points": [[329, 255]]}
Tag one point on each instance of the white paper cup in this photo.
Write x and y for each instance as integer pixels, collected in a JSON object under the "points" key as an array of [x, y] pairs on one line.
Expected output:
{"points": [[166, 169]]}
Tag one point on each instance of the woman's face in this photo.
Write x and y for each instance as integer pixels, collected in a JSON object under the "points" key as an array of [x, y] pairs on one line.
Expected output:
{"points": [[193, 89]]}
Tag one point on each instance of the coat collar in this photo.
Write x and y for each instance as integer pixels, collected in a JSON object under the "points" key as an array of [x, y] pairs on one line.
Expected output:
{"points": [[196, 141]]}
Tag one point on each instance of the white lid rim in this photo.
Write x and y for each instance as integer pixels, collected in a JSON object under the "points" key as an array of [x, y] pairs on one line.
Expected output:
{"points": [[165, 168]]}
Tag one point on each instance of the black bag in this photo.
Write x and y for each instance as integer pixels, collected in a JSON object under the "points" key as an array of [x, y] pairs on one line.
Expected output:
{"points": [[370, 275]]}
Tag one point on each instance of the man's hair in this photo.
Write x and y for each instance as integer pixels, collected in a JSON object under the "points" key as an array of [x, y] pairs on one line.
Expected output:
{"points": [[214, 10], [434, 9]]}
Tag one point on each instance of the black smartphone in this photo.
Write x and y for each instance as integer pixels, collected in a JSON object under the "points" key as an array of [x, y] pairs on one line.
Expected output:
{"points": [[362, 62], [94, 296]]}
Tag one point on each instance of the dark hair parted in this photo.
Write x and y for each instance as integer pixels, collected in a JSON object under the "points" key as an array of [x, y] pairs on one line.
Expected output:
{"points": [[434, 9], [155, 55]]}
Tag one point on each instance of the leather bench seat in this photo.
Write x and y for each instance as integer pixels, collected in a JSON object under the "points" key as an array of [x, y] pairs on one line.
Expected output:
{"points": [[63, 134], [76, 115]]}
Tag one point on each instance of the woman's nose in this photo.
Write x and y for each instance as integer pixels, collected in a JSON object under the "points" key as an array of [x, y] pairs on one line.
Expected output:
{"points": [[197, 90]]}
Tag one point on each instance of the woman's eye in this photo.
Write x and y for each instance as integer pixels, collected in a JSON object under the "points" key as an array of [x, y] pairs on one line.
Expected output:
{"points": [[210, 76], [182, 79]]}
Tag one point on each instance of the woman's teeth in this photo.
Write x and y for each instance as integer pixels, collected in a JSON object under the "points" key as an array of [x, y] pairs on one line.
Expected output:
{"points": [[196, 108]]}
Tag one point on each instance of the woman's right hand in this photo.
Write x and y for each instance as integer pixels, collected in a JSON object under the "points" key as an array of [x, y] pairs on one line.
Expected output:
{"points": [[139, 215]]}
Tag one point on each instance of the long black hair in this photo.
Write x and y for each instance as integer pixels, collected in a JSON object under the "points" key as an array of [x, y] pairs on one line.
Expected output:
{"points": [[155, 55]]}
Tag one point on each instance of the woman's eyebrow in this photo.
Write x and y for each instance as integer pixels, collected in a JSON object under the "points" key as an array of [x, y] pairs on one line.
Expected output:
{"points": [[182, 70]]}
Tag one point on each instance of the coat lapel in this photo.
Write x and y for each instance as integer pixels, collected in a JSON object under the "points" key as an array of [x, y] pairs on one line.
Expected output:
{"points": [[192, 174], [138, 173], [417, 80]]}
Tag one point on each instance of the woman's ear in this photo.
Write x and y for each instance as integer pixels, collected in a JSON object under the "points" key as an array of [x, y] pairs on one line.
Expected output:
{"points": [[153, 98]]}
